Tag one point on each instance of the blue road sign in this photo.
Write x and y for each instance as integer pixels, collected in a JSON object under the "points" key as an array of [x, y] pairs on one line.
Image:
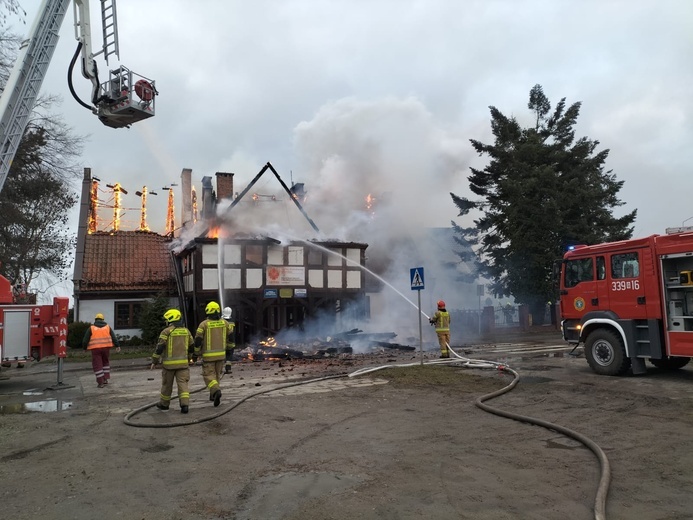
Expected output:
{"points": [[416, 275]]}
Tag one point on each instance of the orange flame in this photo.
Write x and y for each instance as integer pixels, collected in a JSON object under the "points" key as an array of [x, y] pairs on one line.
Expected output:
{"points": [[117, 189], [143, 211], [370, 202], [269, 342], [170, 220], [93, 205]]}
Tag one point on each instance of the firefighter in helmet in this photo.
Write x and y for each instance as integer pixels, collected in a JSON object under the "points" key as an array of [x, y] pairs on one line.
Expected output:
{"points": [[211, 339], [172, 350], [231, 339], [441, 321]]}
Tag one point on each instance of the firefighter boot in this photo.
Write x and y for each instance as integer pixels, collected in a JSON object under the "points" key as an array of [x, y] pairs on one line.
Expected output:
{"points": [[217, 398], [184, 409], [161, 406], [227, 368]]}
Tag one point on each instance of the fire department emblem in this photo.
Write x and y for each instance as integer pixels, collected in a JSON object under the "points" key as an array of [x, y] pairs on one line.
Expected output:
{"points": [[579, 303]]}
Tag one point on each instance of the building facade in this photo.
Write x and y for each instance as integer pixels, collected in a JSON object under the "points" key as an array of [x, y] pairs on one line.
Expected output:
{"points": [[271, 286]]}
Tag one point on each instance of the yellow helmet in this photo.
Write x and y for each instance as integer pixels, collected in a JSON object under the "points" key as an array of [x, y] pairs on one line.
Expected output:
{"points": [[212, 307], [99, 316], [172, 315]]}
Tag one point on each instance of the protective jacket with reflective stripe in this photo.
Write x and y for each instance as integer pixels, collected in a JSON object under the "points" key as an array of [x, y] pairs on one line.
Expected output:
{"points": [[100, 337], [442, 321], [174, 343], [214, 335]]}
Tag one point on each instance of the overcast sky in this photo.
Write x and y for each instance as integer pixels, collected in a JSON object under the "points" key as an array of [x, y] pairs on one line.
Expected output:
{"points": [[384, 95]]}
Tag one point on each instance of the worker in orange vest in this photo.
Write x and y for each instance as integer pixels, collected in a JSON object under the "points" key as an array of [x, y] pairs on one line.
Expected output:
{"points": [[100, 339], [441, 321]]}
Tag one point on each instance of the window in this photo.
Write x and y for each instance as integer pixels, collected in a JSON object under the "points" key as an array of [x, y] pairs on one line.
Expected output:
{"points": [[577, 271], [253, 255], [625, 265], [314, 257], [127, 315], [601, 268]]}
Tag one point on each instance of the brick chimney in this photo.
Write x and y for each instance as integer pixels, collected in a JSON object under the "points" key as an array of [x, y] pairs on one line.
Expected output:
{"points": [[224, 185]]}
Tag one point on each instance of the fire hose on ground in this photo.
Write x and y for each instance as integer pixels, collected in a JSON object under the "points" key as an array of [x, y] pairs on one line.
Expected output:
{"points": [[457, 360]]}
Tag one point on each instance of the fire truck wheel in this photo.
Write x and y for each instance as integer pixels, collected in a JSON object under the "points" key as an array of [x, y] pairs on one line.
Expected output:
{"points": [[670, 363], [605, 353]]}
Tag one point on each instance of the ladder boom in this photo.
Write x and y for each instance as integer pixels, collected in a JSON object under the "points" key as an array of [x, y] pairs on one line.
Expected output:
{"points": [[23, 86], [109, 25]]}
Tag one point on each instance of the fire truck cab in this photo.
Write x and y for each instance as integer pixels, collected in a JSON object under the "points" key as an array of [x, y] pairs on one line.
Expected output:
{"points": [[629, 301]]}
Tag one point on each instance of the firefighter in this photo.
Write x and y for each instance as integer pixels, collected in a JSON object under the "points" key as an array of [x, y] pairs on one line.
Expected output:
{"points": [[231, 339], [441, 321], [211, 340], [172, 350], [100, 339]]}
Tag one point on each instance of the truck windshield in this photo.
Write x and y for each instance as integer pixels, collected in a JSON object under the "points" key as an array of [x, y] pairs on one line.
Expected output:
{"points": [[578, 270]]}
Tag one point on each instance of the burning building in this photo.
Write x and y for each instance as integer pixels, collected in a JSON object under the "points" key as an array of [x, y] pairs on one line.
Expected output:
{"points": [[117, 270], [271, 285]]}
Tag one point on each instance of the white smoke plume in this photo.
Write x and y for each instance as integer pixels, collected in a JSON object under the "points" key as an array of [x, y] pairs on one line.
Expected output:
{"points": [[379, 173], [395, 151]]}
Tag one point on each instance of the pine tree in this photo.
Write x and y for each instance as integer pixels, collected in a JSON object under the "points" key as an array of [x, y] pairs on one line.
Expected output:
{"points": [[541, 190]]}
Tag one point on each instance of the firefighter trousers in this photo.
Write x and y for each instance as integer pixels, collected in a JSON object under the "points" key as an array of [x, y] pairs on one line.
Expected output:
{"points": [[182, 378], [444, 341], [211, 373]]}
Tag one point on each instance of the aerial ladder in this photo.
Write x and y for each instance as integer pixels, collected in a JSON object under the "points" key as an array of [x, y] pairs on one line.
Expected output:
{"points": [[120, 100]]}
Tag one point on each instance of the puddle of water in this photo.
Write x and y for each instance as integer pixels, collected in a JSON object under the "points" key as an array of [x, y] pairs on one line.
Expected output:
{"points": [[32, 391], [51, 405]]}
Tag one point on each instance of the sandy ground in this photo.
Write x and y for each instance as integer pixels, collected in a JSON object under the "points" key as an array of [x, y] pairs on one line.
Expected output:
{"points": [[349, 447]]}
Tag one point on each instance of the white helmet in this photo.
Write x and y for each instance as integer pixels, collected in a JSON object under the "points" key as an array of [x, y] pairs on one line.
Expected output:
{"points": [[227, 313]]}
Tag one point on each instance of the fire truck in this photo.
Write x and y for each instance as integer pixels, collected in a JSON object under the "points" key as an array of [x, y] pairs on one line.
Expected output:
{"points": [[630, 301], [28, 331]]}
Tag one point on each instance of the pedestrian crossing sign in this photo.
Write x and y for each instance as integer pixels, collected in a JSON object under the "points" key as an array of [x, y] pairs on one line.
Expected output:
{"points": [[416, 275]]}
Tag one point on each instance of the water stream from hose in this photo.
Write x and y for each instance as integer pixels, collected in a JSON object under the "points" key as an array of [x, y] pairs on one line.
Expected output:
{"points": [[220, 268], [357, 264]]}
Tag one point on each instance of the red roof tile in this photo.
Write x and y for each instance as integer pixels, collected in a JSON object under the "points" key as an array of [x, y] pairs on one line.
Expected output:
{"points": [[126, 261]]}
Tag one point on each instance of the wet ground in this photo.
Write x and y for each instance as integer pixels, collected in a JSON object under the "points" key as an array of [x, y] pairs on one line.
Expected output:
{"points": [[46, 387], [347, 447]]}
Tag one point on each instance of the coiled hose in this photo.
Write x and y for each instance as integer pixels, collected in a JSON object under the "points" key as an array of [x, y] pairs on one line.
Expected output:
{"points": [[605, 479]]}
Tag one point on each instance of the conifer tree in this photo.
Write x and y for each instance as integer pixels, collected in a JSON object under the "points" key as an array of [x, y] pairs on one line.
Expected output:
{"points": [[541, 190]]}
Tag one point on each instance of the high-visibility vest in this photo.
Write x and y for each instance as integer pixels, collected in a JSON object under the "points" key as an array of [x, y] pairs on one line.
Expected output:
{"points": [[230, 342], [442, 321], [100, 337], [214, 333], [178, 339]]}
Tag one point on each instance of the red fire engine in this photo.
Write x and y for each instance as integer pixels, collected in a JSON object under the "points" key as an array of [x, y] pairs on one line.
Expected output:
{"points": [[629, 301], [30, 331]]}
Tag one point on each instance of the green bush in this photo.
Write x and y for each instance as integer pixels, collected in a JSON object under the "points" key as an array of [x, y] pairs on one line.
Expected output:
{"points": [[152, 319], [75, 333]]}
